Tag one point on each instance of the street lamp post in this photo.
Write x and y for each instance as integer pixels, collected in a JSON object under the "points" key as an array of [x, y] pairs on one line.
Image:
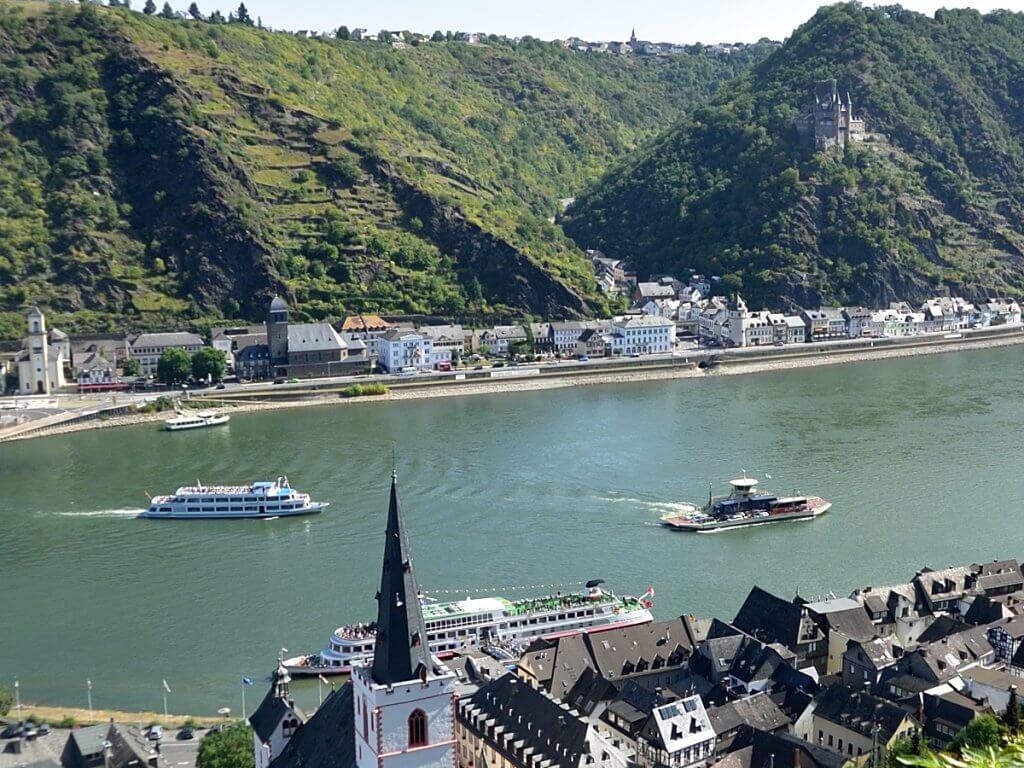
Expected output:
{"points": [[167, 689], [17, 697], [88, 693]]}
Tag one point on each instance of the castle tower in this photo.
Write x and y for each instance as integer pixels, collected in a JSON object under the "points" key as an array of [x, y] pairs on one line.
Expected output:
{"points": [[404, 702], [277, 335], [38, 345]]}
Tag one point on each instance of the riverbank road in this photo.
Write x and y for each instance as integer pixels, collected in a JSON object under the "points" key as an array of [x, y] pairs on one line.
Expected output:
{"points": [[45, 751]]}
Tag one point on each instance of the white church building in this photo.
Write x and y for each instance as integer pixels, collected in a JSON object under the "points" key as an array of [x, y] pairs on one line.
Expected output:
{"points": [[42, 357]]}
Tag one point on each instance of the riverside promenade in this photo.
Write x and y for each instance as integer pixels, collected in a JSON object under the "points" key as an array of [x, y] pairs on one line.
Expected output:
{"points": [[682, 364]]}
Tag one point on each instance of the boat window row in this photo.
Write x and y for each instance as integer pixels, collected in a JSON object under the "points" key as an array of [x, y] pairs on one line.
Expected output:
{"points": [[267, 508]]}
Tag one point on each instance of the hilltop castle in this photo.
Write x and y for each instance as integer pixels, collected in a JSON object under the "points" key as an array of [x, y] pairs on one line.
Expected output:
{"points": [[830, 121]]}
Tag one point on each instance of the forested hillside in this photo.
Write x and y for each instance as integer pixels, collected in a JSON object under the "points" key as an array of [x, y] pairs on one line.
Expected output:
{"points": [[167, 172], [935, 203]]}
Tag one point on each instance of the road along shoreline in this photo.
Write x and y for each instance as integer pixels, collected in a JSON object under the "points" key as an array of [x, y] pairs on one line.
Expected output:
{"points": [[730, 363]]}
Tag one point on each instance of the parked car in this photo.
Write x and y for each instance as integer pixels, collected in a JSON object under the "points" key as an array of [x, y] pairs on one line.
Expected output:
{"points": [[222, 385], [155, 733], [44, 729], [11, 731], [583, 358], [186, 733], [28, 731], [215, 729]]}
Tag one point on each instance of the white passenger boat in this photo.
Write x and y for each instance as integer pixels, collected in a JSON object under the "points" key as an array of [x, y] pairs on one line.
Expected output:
{"points": [[267, 500], [195, 420], [488, 621]]}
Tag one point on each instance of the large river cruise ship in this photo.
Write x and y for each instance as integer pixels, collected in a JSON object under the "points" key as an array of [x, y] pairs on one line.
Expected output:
{"points": [[266, 500], [494, 621]]}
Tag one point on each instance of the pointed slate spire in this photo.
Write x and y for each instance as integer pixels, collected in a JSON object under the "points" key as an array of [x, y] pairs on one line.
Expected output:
{"points": [[401, 652]]}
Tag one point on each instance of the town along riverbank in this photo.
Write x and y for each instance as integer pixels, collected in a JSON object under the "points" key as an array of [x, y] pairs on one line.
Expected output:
{"points": [[733, 363]]}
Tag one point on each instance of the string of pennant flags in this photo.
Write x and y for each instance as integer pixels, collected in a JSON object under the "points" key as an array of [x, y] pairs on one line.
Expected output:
{"points": [[493, 590]]}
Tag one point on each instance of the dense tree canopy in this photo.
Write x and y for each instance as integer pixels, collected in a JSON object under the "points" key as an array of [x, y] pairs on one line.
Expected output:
{"points": [[935, 201]]}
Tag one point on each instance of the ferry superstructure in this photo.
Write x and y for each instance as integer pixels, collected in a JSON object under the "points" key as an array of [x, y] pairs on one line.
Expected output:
{"points": [[495, 621], [745, 506], [265, 499]]}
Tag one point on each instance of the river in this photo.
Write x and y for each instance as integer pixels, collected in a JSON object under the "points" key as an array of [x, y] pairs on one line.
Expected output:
{"points": [[920, 456]]}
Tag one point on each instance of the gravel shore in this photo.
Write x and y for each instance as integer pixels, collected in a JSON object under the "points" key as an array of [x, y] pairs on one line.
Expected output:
{"points": [[530, 384]]}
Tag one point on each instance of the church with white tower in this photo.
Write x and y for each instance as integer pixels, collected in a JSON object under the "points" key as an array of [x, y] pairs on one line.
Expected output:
{"points": [[404, 702]]}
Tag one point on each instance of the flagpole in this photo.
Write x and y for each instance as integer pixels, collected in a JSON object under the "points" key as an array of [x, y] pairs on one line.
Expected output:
{"points": [[320, 688], [243, 701]]}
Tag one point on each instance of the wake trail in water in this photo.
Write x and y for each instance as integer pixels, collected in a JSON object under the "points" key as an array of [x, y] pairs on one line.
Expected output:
{"points": [[659, 506], [113, 513]]}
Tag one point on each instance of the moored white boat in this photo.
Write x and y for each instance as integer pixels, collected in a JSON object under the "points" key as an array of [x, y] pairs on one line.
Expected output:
{"points": [[264, 500], [488, 621], [195, 420]]}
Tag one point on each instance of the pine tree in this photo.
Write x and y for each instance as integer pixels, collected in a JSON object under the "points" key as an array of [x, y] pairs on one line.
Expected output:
{"points": [[343, 33], [216, 17], [1012, 715], [193, 11], [242, 15], [167, 12], [149, 8], [437, 37]]}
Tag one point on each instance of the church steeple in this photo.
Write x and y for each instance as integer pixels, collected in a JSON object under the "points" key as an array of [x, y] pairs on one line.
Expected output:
{"points": [[401, 652]]}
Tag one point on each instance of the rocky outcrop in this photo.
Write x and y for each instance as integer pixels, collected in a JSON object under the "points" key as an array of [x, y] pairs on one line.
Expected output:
{"points": [[195, 207], [506, 274]]}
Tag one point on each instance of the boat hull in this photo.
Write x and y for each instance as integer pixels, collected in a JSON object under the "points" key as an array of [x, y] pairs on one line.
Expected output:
{"points": [[312, 509], [215, 421], [816, 508]]}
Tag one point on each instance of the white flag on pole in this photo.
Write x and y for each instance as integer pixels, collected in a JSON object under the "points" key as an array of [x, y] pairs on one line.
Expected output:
{"points": [[167, 687]]}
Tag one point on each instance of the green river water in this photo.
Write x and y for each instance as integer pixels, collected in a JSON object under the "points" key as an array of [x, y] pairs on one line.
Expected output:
{"points": [[921, 458]]}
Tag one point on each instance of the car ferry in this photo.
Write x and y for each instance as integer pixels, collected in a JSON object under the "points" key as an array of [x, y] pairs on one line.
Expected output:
{"points": [[267, 500], [745, 506], [195, 420], [488, 621]]}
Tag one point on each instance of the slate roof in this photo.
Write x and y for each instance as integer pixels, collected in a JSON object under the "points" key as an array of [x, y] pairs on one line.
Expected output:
{"points": [[327, 739], [531, 717], [313, 337], [853, 623], [277, 304], [757, 711], [253, 352], [1000, 574], [985, 610], [128, 747], [94, 360], [769, 618], [271, 711], [783, 751], [952, 709], [755, 662], [880, 650], [400, 651], [721, 651], [175, 339], [942, 626], [634, 703], [858, 711]]}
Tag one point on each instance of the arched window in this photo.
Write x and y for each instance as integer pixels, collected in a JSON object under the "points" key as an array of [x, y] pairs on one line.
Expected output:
{"points": [[417, 729]]}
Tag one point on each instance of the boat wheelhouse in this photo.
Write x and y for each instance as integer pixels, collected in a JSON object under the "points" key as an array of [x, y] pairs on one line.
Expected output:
{"points": [[745, 506], [264, 499], [487, 621]]}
